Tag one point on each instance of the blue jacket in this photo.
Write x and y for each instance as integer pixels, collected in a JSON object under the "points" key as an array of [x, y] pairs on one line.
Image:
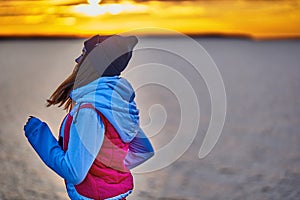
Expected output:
{"points": [[114, 98]]}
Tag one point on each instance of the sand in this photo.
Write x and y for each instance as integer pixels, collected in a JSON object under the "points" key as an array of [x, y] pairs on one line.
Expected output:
{"points": [[256, 157]]}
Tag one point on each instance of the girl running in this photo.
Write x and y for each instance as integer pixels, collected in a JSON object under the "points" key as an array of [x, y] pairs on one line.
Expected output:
{"points": [[100, 139]]}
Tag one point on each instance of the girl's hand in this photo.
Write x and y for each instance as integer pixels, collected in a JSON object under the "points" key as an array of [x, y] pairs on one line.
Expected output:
{"points": [[31, 124]]}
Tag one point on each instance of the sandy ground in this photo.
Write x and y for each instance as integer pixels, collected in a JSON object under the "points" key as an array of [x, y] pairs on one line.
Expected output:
{"points": [[256, 157]]}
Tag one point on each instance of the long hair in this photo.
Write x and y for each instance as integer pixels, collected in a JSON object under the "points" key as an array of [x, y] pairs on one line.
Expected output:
{"points": [[81, 75], [61, 95]]}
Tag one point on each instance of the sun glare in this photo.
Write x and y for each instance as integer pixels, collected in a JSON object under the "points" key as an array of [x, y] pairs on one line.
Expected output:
{"points": [[95, 9], [94, 2]]}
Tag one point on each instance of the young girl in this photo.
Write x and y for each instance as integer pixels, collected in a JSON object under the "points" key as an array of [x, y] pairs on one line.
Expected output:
{"points": [[100, 139]]}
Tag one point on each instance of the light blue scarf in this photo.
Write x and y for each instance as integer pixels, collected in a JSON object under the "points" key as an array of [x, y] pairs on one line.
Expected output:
{"points": [[114, 98]]}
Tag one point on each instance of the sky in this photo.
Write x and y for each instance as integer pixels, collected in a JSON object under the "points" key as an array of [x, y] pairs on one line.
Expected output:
{"points": [[255, 18]]}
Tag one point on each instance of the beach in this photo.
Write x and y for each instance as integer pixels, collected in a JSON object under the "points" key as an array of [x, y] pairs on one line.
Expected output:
{"points": [[256, 157]]}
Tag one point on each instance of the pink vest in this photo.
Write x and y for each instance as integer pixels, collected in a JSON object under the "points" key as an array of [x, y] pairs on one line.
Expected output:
{"points": [[108, 176]]}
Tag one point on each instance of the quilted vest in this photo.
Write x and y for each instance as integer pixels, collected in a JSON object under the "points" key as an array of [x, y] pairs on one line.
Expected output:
{"points": [[108, 176]]}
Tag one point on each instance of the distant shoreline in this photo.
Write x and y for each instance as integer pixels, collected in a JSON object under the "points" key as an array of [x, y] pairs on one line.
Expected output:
{"points": [[198, 36]]}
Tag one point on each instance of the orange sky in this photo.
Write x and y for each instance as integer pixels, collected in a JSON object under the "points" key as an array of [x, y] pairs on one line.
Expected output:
{"points": [[260, 19]]}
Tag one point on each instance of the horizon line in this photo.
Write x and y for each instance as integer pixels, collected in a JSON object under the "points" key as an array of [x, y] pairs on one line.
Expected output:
{"points": [[193, 35]]}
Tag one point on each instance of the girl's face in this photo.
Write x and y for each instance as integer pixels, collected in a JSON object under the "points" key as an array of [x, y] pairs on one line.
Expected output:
{"points": [[80, 58], [76, 68]]}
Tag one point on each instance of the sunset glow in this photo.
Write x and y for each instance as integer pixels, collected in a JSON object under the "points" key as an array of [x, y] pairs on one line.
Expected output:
{"points": [[94, 2], [94, 9], [260, 19]]}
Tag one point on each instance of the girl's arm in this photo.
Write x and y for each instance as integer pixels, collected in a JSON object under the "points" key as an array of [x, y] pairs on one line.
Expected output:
{"points": [[140, 150], [86, 137]]}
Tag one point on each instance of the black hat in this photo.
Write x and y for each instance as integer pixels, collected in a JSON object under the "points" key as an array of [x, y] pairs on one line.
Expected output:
{"points": [[106, 56], [112, 55]]}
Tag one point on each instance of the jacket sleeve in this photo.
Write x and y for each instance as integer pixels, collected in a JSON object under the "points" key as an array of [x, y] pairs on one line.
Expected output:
{"points": [[140, 150], [86, 137]]}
